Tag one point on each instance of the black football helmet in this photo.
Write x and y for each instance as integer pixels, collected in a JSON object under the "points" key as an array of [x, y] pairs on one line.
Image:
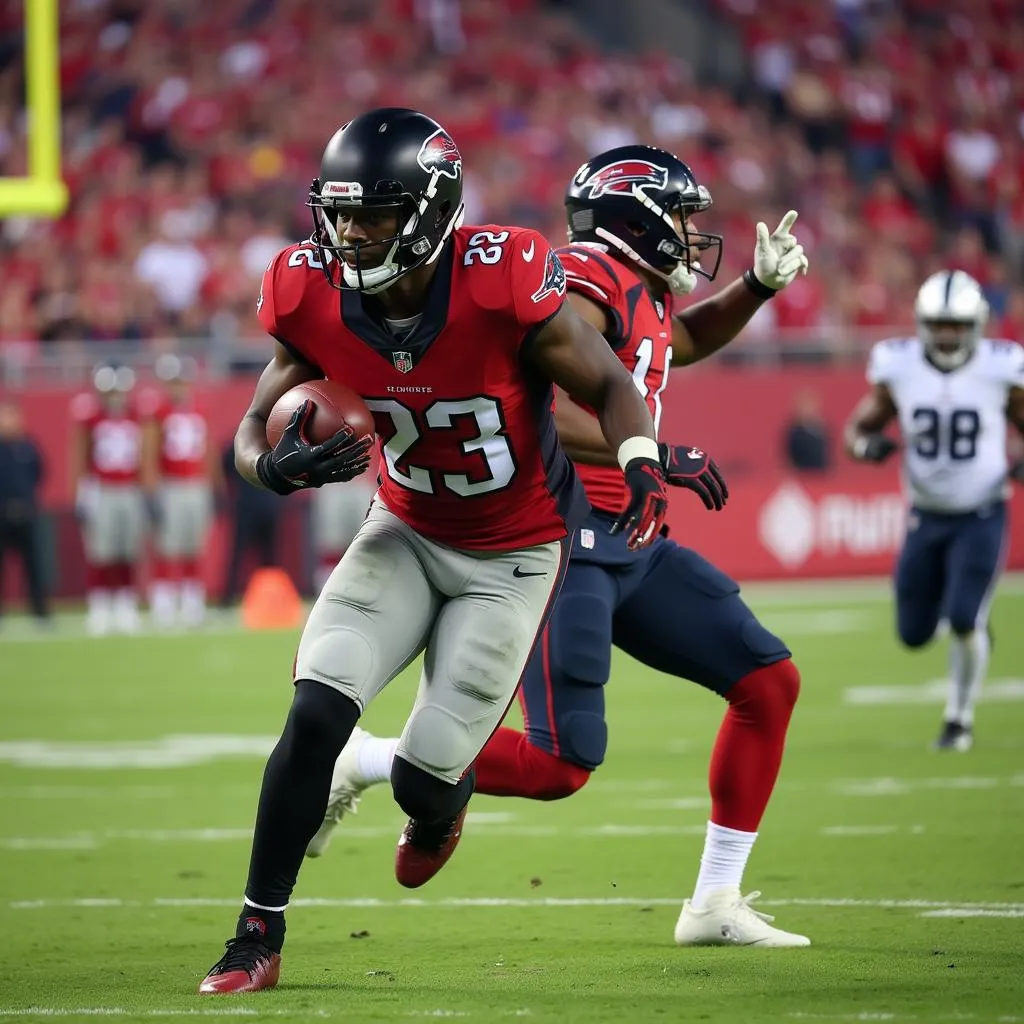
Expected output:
{"points": [[625, 199], [387, 158]]}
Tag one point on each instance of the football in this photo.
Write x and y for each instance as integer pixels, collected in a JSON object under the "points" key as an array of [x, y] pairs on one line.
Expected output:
{"points": [[336, 407]]}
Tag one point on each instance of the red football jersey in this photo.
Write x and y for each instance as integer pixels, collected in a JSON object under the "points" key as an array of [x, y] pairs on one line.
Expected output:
{"points": [[183, 437], [641, 335], [470, 455], [115, 440]]}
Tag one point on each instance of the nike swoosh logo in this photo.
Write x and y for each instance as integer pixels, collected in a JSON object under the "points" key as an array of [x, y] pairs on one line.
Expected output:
{"points": [[528, 257], [284, 458], [520, 575]]}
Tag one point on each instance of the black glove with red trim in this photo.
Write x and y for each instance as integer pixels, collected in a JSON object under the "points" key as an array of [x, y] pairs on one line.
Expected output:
{"points": [[648, 503], [294, 463], [693, 468]]}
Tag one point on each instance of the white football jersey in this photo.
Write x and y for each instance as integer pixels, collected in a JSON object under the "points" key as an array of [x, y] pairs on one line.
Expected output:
{"points": [[953, 423]]}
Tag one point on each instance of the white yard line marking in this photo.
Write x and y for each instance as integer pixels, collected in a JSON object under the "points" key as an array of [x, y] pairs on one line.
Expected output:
{"points": [[996, 691], [845, 831], [371, 903], [888, 786], [123, 1011], [498, 828], [972, 912]]}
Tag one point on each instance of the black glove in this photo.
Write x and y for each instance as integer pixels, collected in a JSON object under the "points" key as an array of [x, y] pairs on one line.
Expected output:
{"points": [[648, 503], [693, 468], [294, 463], [1017, 471], [875, 447]]}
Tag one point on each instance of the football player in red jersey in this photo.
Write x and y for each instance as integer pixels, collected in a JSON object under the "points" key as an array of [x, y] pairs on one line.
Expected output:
{"points": [[177, 467], [453, 336], [633, 246], [106, 462]]}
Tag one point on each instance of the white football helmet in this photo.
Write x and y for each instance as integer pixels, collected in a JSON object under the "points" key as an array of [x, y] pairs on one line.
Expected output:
{"points": [[951, 313]]}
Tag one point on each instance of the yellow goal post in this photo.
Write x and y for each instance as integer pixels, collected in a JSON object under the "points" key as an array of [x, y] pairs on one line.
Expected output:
{"points": [[42, 193]]}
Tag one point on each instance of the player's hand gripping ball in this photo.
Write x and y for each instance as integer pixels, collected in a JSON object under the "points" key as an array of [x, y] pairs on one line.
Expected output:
{"points": [[321, 432]]}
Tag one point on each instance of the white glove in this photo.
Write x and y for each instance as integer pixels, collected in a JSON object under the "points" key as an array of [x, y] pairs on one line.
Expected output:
{"points": [[778, 257]]}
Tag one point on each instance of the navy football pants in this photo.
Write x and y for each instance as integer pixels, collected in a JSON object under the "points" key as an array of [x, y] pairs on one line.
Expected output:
{"points": [[948, 567], [666, 606]]}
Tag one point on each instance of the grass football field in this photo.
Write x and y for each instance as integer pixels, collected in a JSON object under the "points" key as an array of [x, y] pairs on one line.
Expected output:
{"points": [[129, 770]]}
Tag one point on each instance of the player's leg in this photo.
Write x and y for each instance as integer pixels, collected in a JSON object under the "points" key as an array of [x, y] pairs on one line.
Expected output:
{"points": [[474, 662], [688, 619], [561, 696], [920, 578], [198, 517], [974, 561], [99, 539], [131, 529], [166, 572], [372, 618]]}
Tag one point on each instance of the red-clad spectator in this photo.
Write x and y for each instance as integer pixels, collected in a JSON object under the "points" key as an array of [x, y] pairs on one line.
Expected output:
{"points": [[1011, 325]]}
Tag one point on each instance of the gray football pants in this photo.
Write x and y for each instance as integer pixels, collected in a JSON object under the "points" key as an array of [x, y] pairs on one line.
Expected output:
{"points": [[476, 615]]}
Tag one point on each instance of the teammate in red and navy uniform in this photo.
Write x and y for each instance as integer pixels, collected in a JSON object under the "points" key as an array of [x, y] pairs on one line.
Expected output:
{"points": [[106, 463], [453, 336], [633, 247], [177, 467]]}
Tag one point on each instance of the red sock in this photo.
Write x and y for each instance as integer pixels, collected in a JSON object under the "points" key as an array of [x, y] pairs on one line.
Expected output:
{"points": [[98, 577], [123, 574], [748, 750], [188, 568], [511, 766], [163, 569]]}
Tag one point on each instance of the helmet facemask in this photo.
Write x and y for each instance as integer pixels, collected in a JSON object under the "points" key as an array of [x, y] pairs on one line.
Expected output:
{"points": [[670, 245], [403, 252], [949, 343]]}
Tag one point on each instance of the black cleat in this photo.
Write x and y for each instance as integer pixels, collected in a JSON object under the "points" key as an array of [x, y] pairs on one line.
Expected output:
{"points": [[955, 736]]}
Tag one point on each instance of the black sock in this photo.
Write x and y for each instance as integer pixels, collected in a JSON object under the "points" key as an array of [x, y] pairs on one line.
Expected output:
{"points": [[426, 798], [265, 925], [296, 785]]}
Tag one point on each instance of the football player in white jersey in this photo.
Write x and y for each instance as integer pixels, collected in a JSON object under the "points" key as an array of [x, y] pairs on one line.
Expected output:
{"points": [[953, 392]]}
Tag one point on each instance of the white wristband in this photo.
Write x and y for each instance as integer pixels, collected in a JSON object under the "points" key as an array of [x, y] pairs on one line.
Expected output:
{"points": [[637, 448], [860, 446]]}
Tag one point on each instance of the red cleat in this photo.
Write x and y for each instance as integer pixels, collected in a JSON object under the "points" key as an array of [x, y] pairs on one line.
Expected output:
{"points": [[247, 966], [424, 849]]}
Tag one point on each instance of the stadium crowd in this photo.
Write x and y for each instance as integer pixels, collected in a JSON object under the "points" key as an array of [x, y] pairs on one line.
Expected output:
{"points": [[192, 129]]}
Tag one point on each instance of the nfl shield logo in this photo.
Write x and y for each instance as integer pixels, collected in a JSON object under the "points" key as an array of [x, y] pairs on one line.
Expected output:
{"points": [[402, 361], [587, 539]]}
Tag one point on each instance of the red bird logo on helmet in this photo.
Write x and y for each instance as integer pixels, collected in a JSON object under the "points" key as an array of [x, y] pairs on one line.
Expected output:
{"points": [[621, 177], [440, 153]]}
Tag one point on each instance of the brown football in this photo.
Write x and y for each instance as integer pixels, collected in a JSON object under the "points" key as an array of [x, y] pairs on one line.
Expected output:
{"points": [[336, 407]]}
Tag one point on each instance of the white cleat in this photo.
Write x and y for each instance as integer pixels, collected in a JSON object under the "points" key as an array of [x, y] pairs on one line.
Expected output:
{"points": [[728, 919], [98, 622], [346, 786]]}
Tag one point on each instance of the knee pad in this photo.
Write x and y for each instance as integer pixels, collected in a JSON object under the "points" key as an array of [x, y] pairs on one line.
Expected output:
{"points": [[584, 738], [320, 720], [441, 742], [425, 797], [914, 634]]}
